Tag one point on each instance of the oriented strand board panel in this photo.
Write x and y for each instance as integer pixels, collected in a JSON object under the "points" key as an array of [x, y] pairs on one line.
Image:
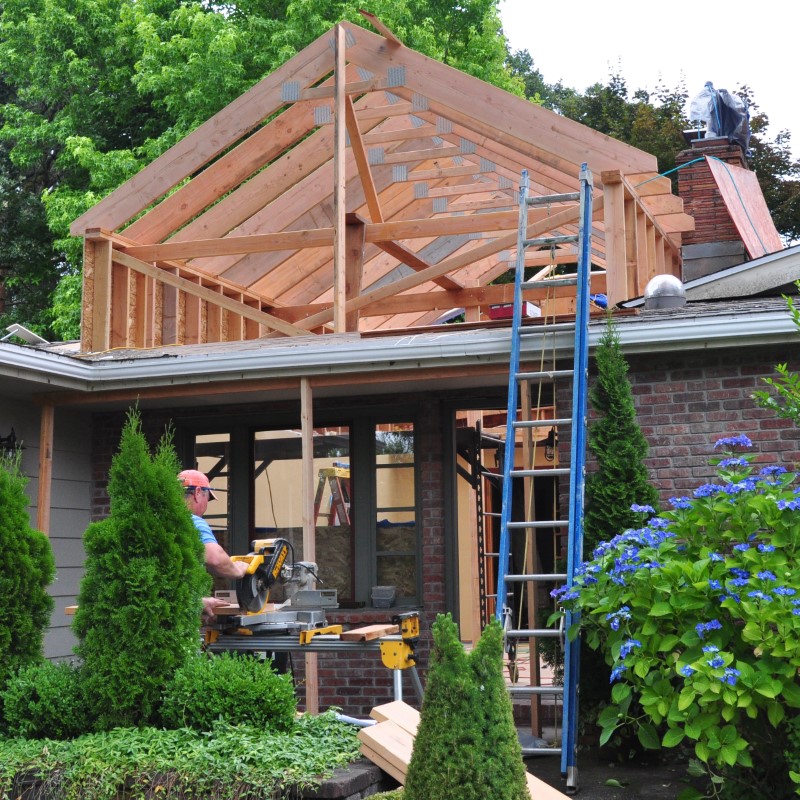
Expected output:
{"points": [[745, 203]]}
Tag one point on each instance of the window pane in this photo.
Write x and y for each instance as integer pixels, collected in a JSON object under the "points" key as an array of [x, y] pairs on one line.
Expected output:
{"points": [[278, 506], [396, 532]]}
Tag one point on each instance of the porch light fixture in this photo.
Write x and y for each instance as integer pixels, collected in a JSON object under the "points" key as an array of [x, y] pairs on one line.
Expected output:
{"points": [[9, 444], [550, 443]]}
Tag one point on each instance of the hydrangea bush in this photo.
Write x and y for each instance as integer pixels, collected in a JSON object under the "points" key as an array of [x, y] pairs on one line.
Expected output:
{"points": [[698, 613]]}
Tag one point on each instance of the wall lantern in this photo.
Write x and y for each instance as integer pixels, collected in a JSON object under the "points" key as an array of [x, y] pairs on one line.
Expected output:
{"points": [[9, 444], [550, 443]]}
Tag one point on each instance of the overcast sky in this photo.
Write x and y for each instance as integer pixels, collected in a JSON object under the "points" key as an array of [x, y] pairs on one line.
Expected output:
{"points": [[728, 43]]}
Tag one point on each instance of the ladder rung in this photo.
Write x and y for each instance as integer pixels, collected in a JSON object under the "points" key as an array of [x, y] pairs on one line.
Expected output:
{"points": [[491, 514], [548, 240], [541, 751], [534, 633], [549, 282], [552, 374], [539, 523], [539, 473], [541, 423], [544, 577], [525, 691], [547, 199]]}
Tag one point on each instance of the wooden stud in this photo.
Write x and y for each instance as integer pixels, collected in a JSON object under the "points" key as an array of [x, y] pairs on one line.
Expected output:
{"points": [[44, 493], [354, 264], [339, 186], [614, 215]]}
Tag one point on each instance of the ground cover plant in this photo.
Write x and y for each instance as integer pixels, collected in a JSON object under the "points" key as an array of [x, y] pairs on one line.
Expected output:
{"points": [[224, 763], [698, 613]]}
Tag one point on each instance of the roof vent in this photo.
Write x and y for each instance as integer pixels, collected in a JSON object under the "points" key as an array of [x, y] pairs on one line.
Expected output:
{"points": [[664, 291]]}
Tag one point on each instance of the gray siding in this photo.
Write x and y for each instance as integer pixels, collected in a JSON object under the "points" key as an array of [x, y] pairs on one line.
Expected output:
{"points": [[69, 506]]}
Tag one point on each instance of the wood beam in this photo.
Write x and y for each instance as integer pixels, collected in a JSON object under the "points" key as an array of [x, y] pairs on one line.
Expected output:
{"points": [[96, 305], [209, 295], [207, 141], [354, 265], [362, 163], [339, 184], [568, 216], [309, 522], [44, 492]]}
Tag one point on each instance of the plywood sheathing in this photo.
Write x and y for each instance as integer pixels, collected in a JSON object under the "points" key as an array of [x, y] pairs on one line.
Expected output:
{"points": [[247, 228]]}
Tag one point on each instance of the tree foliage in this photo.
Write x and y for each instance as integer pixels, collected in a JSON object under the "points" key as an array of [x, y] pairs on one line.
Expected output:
{"points": [[27, 567], [479, 756], [620, 479], [140, 598]]}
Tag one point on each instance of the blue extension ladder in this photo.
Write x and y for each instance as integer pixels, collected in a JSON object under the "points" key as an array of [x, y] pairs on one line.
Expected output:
{"points": [[576, 470]]}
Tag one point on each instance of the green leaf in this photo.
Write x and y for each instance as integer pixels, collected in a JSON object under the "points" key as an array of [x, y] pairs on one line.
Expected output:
{"points": [[791, 694], [667, 643], [648, 737], [661, 609], [775, 714], [620, 692], [673, 737], [729, 755], [701, 750], [606, 734]]}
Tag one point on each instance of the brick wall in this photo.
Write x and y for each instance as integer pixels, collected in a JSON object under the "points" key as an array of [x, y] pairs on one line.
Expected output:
{"points": [[701, 197]]}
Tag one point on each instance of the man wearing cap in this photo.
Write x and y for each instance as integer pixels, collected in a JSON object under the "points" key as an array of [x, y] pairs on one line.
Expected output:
{"points": [[198, 493]]}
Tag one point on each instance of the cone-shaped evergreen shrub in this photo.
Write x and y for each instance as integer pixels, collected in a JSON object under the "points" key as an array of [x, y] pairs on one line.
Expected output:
{"points": [[141, 596], [26, 569], [466, 746], [619, 447], [620, 481]]}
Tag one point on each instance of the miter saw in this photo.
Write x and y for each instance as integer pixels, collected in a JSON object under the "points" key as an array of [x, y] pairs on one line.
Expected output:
{"points": [[271, 565]]}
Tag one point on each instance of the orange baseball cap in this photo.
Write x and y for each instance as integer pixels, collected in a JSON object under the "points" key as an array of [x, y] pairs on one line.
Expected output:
{"points": [[194, 479]]}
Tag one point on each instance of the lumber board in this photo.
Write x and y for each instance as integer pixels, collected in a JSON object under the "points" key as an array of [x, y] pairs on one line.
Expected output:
{"points": [[369, 632], [402, 714], [390, 743]]}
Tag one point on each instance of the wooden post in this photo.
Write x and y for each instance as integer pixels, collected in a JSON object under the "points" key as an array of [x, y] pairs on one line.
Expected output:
{"points": [[339, 181], [45, 469], [309, 523], [355, 233], [614, 216], [96, 311]]}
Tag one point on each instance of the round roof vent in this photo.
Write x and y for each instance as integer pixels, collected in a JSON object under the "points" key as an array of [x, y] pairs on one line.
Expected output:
{"points": [[664, 291]]}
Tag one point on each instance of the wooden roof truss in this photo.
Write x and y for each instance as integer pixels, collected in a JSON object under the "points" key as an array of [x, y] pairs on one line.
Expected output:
{"points": [[361, 186]]}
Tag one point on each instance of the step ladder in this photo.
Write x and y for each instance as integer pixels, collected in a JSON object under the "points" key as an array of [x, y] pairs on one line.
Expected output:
{"points": [[337, 479], [576, 424]]}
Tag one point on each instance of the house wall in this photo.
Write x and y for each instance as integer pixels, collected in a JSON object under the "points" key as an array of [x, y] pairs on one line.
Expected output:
{"points": [[70, 503]]}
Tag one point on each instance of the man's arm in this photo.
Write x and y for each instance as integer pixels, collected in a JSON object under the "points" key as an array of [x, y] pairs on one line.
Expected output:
{"points": [[219, 563]]}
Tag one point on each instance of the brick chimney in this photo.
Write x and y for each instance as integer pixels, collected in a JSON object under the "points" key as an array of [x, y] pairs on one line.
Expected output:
{"points": [[715, 243]]}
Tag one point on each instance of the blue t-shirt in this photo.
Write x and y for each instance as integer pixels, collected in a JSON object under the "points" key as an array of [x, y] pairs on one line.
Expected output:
{"points": [[203, 528]]}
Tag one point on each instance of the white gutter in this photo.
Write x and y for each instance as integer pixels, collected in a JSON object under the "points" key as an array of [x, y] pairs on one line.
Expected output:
{"points": [[353, 355]]}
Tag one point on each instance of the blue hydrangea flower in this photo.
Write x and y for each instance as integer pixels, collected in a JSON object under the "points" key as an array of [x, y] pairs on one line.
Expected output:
{"points": [[760, 596], [785, 591], [772, 471], [703, 627], [741, 548], [791, 505], [730, 675], [643, 509], [628, 647], [734, 441], [716, 557], [716, 662], [766, 575], [739, 572], [739, 582], [707, 490], [736, 461], [766, 548], [680, 502], [617, 672], [687, 671], [615, 617], [711, 648], [713, 583], [732, 596]]}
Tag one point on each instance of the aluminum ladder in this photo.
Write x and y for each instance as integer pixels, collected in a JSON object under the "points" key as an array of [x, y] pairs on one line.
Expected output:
{"points": [[576, 423]]}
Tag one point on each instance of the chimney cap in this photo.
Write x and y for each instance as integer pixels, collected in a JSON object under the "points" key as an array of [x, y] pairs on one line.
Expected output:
{"points": [[664, 291]]}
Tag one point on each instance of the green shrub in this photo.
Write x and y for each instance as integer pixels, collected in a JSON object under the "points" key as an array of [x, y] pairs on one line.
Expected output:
{"points": [[466, 746], [26, 569], [45, 701], [239, 689], [698, 612], [141, 596]]}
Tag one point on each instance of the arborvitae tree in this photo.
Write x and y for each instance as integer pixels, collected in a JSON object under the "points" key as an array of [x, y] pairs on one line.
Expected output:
{"points": [[621, 478], [140, 599], [466, 746], [26, 569]]}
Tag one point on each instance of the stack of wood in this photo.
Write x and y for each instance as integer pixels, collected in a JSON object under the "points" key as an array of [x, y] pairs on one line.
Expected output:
{"points": [[389, 744]]}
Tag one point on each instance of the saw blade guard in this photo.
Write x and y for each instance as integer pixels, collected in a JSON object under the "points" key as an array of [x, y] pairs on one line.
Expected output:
{"points": [[266, 564]]}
